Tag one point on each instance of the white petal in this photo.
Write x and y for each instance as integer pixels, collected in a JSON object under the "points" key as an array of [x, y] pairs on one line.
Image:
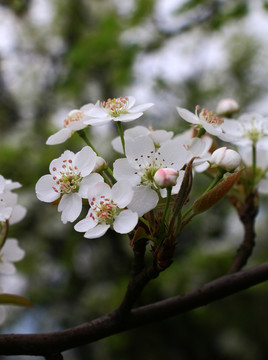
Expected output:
{"points": [[7, 268], [131, 101], [59, 137], [144, 200], [117, 145], [188, 116], [11, 251], [87, 183], [71, 206], [123, 171], [140, 152], [161, 136], [99, 189], [44, 189], [97, 231], [77, 125], [171, 155], [85, 224], [85, 160], [140, 108], [125, 222], [122, 193], [128, 117], [98, 121], [18, 213], [5, 213], [55, 166]]}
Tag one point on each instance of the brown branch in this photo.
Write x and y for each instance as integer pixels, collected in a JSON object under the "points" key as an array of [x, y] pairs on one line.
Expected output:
{"points": [[247, 215], [57, 342]]}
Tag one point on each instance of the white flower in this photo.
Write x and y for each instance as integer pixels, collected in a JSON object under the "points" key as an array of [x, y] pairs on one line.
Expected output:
{"points": [[261, 180], [107, 210], [9, 209], [140, 166], [72, 123], [69, 179], [227, 107], [166, 177], [158, 136], [227, 159], [9, 253], [120, 109], [248, 129], [205, 119]]}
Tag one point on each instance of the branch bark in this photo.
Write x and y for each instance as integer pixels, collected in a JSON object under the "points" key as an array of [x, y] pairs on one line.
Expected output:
{"points": [[57, 342]]}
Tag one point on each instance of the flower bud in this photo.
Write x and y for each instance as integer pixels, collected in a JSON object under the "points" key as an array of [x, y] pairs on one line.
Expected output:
{"points": [[227, 159], [166, 177], [227, 107], [100, 165]]}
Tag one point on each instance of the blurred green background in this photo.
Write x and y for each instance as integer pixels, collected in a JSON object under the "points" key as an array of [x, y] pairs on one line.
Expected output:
{"points": [[57, 55]]}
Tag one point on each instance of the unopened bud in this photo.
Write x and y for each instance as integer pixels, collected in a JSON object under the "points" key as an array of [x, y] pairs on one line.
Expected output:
{"points": [[227, 159], [100, 165], [166, 177], [227, 107]]}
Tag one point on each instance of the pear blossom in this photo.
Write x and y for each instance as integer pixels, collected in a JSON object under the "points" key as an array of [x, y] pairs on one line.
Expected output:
{"points": [[117, 109], [166, 177], [158, 136], [205, 119], [9, 253], [9, 208], [140, 165], [248, 129], [261, 180], [226, 159], [69, 180], [107, 210], [72, 123]]}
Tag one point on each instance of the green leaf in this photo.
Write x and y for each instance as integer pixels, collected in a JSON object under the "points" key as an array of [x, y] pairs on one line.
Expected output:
{"points": [[217, 193], [10, 299]]}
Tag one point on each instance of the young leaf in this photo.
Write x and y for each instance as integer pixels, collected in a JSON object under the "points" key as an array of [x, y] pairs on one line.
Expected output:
{"points": [[217, 193], [10, 299]]}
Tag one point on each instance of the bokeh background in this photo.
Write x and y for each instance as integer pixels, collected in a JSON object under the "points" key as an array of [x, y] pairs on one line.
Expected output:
{"points": [[57, 55]]}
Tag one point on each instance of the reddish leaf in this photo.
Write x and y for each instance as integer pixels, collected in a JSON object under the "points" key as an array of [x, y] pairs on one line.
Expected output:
{"points": [[217, 193]]}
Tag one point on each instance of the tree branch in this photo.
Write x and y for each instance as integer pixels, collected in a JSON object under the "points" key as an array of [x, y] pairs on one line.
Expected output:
{"points": [[57, 342]]}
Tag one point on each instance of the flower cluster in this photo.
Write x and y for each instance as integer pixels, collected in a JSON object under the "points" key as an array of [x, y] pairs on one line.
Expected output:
{"points": [[10, 213]]}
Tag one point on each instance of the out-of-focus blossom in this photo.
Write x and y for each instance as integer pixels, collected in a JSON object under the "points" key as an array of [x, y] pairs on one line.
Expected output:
{"points": [[9, 253], [248, 129], [227, 107], [120, 109], [72, 123]]}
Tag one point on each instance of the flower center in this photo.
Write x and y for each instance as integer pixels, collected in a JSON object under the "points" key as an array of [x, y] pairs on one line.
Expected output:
{"points": [[254, 130], [208, 116], [116, 107], [73, 116], [69, 180], [105, 210]]}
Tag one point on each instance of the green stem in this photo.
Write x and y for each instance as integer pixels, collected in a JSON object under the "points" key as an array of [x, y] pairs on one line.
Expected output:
{"points": [[253, 164], [145, 222], [201, 132], [83, 135], [166, 210], [121, 133], [216, 180]]}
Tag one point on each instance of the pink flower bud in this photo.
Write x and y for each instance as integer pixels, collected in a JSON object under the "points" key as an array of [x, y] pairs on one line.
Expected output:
{"points": [[227, 107], [166, 177], [227, 159]]}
